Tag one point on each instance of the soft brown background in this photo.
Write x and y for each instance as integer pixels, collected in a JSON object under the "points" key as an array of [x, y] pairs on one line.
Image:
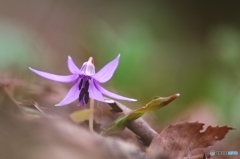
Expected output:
{"points": [[167, 47]]}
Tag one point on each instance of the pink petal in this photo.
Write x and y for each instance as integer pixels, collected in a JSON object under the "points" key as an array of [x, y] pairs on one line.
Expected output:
{"points": [[107, 71], [112, 95], [58, 78], [94, 92], [71, 96], [72, 67]]}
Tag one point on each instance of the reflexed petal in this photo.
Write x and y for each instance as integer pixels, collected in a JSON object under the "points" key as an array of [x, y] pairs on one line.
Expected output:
{"points": [[94, 93], [107, 71], [108, 100], [72, 67], [112, 95], [58, 78], [71, 96]]}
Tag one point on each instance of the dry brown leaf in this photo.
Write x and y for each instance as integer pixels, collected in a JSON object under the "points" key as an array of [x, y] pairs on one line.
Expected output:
{"points": [[185, 140]]}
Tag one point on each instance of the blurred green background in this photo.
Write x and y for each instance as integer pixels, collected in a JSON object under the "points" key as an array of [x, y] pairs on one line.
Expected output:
{"points": [[167, 47]]}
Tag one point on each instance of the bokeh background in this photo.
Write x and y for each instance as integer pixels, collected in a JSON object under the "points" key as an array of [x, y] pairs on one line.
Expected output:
{"points": [[167, 47]]}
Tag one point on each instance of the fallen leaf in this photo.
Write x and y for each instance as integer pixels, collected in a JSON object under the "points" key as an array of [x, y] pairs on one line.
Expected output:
{"points": [[81, 115], [119, 124], [184, 139]]}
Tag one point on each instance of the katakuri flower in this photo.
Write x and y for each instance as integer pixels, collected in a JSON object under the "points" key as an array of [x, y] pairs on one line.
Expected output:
{"points": [[86, 82]]}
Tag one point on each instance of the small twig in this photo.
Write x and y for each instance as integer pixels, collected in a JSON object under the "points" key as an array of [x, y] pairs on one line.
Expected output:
{"points": [[140, 127]]}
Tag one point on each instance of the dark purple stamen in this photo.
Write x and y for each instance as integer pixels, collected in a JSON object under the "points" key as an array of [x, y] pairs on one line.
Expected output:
{"points": [[80, 85], [86, 85], [81, 94], [86, 97], [84, 94]]}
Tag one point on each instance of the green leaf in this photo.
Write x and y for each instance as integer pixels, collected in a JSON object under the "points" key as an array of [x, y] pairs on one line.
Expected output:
{"points": [[80, 116], [119, 124]]}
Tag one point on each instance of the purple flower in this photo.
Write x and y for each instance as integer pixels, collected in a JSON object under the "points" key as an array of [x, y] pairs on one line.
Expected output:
{"points": [[86, 82]]}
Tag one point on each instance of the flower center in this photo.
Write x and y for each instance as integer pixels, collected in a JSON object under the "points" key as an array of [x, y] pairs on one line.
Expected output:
{"points": [[83, 87], [88, 68]]}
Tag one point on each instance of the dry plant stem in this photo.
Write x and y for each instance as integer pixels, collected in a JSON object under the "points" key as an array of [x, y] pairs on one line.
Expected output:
{"points": [[92, 114], [140, 127]]}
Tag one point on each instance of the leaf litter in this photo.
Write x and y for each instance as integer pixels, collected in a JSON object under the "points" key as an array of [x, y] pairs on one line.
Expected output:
{"points": [[181, 140]]}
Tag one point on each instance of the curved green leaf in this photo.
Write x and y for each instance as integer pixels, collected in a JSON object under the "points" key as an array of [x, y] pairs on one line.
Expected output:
{"points": [[119, 124]]}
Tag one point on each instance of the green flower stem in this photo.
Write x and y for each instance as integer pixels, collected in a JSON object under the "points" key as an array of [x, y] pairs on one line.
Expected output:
{"points": [[91, 117]]}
